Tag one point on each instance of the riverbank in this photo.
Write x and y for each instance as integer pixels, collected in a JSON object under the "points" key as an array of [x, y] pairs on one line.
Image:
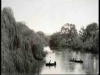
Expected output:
{"points": [[74, 49]]}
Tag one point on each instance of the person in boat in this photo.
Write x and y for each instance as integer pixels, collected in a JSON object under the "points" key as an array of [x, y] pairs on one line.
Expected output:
{"points": [[55, 63], [49, 61]]}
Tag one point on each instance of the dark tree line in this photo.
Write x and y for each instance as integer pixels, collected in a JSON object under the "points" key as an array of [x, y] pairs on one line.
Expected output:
{"points": [[87, 39]]}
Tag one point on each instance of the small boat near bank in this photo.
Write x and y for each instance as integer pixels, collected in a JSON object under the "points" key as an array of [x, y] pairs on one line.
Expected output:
{"points": [[75, 60], [51, 64]]}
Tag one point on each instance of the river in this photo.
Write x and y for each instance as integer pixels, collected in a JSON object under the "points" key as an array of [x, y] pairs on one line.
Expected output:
{"points": [[64, 66]]}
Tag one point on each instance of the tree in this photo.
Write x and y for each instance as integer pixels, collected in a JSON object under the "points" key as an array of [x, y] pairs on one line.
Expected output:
{"points": [[8, 13], [40, 33], [18, 43], [90, 37], [65, 38], [88, 32], [55, 39], [69, 32]]}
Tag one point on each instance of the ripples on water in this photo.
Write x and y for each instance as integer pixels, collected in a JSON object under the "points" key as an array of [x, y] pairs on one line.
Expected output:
{"points": [[64, 66]]}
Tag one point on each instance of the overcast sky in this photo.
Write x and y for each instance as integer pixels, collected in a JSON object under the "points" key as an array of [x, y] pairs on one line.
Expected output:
{"points": [[49, 15]]}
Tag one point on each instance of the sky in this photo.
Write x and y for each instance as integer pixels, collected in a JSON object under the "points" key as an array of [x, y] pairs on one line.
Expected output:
{"points": [[50, 15]]}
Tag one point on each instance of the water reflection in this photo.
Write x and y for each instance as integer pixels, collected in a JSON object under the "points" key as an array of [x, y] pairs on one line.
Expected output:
{"points": [[64, 66]]}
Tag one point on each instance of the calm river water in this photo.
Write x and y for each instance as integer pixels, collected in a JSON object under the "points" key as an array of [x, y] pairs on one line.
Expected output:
{"points": [[64, 66]]}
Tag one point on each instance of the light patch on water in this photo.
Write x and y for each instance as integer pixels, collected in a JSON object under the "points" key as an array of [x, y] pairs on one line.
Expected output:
{"points": [[52, 70], [47, 49], [78, 69]]}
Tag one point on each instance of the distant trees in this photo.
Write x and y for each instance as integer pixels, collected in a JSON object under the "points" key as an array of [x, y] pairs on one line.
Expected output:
{"points": [[44, 38], [86, 39], [70, 32], [90, 36], [89, 31], [55, 39], [65, 38]]}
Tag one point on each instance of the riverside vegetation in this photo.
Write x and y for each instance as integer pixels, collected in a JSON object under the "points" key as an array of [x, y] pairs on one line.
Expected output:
{"points": [[21, 47], [87, 39]]}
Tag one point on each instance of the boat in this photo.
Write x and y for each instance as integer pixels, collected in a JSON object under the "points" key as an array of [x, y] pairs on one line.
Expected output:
{"points": [[51, 64], [77, 61]]}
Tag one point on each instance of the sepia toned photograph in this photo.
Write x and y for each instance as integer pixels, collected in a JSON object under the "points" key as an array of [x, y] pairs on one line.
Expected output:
{"points": [[49, 37]]}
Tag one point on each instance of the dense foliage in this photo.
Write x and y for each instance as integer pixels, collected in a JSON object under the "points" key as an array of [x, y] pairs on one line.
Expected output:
{"points": [[86, 39], [44, 38], [20, 46]]}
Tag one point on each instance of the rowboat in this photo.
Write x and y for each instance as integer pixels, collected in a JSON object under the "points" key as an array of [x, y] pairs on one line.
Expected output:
{"points": [[77, 61], [51, 64]]}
